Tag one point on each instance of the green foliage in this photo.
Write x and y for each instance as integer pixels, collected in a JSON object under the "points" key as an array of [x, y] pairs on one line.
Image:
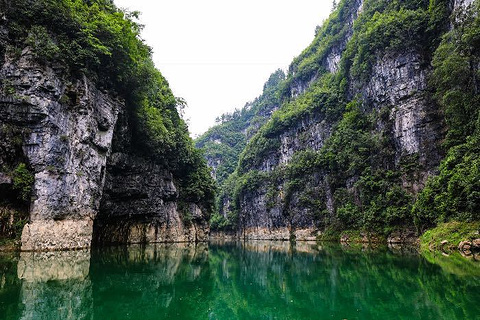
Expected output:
{"points": [[43, 46], [355, 160], [373, 199], [323, 99], [387, 31], [455, 76], [14, 203], [249, 182], [453, 263], [329, 234], [11, 222], [226, 217], [455, 192], [224, 143], [308, 64], [196, 182], [22, 181], [258, 148], [90, 36], [218, 222], [392, 26]]}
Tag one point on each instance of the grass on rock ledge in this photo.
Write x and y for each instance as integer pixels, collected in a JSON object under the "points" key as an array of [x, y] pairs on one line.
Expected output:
{"points": [[454, 232]]}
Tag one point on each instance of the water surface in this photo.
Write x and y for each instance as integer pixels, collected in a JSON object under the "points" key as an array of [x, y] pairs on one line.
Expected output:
{"points": [[254, 280]]}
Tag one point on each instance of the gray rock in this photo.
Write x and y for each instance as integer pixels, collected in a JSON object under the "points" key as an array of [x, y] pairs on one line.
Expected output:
{"points": [[476, 244], [5, 179], [465, 246], [398, 82], [67, 128], [139, 203]]}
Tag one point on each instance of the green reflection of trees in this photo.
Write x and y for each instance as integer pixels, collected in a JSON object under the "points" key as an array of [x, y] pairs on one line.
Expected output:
{"points": [[10, 287], [454, 262], [152, 282], [253, 280], [329, 282]]}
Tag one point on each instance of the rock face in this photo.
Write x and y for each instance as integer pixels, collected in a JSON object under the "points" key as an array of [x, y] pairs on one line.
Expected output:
{"points": [[309, 133], [67, 128], [139, 206], [398, 83], [139, 203], [224, 143], [279, 200], [64, 131]]}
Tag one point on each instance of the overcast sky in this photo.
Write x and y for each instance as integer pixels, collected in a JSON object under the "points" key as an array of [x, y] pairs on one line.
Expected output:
{"points": [[217, 54]]}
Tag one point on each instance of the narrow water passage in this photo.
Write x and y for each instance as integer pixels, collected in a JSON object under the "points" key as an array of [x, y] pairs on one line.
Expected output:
{"points": [[253, 280]]}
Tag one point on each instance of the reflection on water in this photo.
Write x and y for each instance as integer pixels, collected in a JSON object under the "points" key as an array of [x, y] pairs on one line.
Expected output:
{"points": [[55, 285], [252, 280], [56, 265], [152, 282]]}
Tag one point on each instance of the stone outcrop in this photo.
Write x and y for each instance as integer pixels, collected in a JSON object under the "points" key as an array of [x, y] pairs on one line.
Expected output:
{"points": [[399, 83], [139, 203], [69, 135], [67, 129], [406, 236], [47, 234]]}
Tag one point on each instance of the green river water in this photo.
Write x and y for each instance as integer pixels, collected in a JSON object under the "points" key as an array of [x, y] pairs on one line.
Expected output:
{"points": [[253, 280]]}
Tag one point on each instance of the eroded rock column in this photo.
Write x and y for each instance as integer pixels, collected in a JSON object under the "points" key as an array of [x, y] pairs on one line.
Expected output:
{"points": [[68, 128]]}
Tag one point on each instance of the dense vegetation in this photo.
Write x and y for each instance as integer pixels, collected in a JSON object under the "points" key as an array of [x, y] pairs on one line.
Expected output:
{"points": [[455, 192], [96, 39], [451, 234], [356, 164]]}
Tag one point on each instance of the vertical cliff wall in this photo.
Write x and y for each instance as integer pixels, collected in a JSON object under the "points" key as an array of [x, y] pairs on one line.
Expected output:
{"points": [[67, 128], [362, 127], [305, 184], [140, 199], [92, 146]]}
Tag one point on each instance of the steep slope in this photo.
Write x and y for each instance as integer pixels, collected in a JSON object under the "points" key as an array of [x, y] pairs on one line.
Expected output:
{"points": [[92, 144], [223, 143], [368, 112]]}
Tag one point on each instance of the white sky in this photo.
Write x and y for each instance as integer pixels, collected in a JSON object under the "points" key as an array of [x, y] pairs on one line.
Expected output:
{"points": [[217, 54]]}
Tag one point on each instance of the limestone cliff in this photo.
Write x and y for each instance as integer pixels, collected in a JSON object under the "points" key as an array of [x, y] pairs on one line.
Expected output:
{"points": [[140, 200], [359, 131], [67, 129], [78, 161]]}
